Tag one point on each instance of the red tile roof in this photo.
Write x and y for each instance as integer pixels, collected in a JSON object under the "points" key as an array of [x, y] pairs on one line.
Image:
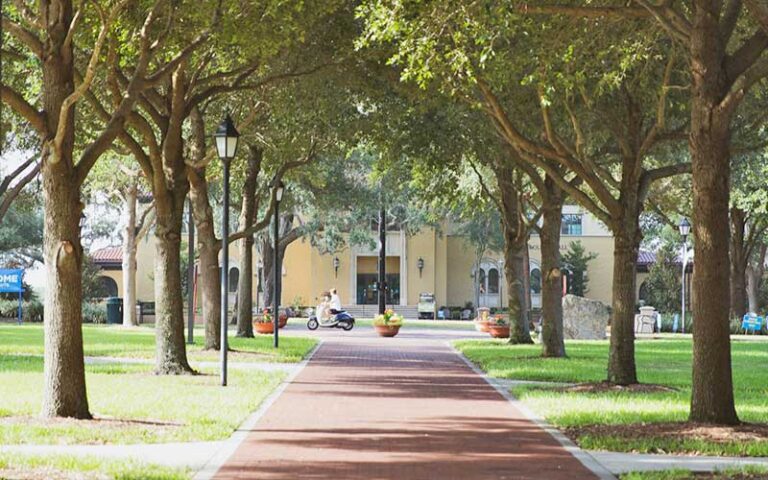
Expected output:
{"points": [[108, 255]]}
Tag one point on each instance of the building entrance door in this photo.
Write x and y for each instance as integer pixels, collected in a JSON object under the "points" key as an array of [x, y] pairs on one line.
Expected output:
{"points": [[489, 285], [367, 293], [367, 281]]}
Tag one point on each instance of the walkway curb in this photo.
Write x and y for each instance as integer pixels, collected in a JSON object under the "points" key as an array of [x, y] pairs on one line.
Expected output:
{"points": [[581, 455], [229, 445]]}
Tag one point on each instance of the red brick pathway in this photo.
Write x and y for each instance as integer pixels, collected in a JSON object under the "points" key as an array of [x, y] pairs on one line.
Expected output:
{"points": [[392, 409]]}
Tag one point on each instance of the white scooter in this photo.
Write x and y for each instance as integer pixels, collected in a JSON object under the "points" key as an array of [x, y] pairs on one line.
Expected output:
{"points": [[342, 320]]}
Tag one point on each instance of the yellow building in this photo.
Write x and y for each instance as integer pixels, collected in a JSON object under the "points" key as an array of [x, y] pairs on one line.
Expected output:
{"points": [[441, 263]]}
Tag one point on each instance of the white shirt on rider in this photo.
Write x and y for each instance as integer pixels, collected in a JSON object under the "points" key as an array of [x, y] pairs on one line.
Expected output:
{"points": [[335, 303]]}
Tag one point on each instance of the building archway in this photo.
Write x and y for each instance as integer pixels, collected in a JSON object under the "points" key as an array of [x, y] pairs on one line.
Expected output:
{"points": [[108, 286]]}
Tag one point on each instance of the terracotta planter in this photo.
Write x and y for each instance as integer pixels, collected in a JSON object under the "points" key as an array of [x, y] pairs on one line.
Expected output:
{"points": [[481, 325], [263, 327], [499, 331], [387, 330], [282, 320]]}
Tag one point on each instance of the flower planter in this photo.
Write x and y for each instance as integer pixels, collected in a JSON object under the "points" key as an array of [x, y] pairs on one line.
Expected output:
{"points": [[387, 330], [263, 327], [482, 325], [499, 331], [282, 320]]}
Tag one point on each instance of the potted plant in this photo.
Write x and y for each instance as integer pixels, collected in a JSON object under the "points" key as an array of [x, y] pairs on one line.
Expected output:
{"points": [[482, 321], [263, 323], [388, 324], [498, 327], [282, 320]]}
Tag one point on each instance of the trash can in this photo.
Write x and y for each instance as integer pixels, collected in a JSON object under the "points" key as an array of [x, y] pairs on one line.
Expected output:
{"points": [[114, 310]]}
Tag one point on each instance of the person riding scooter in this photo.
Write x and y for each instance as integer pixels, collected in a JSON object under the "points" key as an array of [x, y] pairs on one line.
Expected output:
{"points": [[335, 303], [329, 314]]}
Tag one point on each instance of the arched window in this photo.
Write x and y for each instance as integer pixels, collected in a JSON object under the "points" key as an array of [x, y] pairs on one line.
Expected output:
{"points": [[108, 286], [536, 281], [493, 281], [643, 294], [234, 279]]}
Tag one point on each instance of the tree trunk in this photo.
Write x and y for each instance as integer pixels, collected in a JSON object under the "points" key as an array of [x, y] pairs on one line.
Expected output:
{"points": [[739, 262], [514, 270], [515, 241], [527, 278], [171, 351], [288, 234], [247, 217], [552, 341], [755, 274], [208, 247], [268, 256], [621, 360], [245, 289], [64, 393], [129, 257], [709, 142]]}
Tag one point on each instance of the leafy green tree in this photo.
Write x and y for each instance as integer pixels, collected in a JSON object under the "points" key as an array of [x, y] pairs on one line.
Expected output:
{"points": [[576, 261], [21, 233], [601, 109], [725, 44], [56, 51]]}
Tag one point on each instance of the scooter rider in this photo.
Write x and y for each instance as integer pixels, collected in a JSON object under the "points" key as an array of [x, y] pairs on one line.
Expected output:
{"points": [[335, 303]]}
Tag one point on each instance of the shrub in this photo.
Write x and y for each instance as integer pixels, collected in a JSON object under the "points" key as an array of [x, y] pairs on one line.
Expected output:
{"points": [[94, 312], [32, 310]]}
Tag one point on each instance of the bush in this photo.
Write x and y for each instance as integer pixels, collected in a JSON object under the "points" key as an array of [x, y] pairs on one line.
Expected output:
{"points": [[32, 310], [94, 312]]}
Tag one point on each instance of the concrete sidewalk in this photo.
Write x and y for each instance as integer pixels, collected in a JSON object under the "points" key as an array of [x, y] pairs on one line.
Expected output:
{"points": [[375, 408]]}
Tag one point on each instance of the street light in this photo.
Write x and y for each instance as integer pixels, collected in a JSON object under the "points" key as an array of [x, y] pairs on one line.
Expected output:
{"points": [[226, 137], [279, 187], [336, 264], [685, 229], [420, 265]]}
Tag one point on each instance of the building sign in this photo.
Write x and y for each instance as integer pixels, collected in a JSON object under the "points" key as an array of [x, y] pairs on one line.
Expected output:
{"points": [[10, 281]]}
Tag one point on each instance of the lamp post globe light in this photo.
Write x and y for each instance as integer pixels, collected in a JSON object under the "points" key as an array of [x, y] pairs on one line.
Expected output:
{"points": [[685, 228], [226, 137], [278, 186]]}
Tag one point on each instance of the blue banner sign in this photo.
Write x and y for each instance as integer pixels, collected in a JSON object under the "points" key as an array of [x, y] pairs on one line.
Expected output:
{"points": [[10, 281]]}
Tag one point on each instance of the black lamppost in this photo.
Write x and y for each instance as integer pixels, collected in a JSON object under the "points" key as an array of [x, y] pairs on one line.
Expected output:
{"points": [[685, 229], [336, 264], [420, 265], [279, 186], [226, 146], [382, 261]]}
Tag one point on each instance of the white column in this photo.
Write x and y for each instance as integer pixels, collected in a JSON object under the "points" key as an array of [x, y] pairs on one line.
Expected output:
{"points": [[403, 269], [352, 276]]}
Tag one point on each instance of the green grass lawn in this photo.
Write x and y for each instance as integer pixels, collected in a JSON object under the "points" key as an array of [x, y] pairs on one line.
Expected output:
{"points": [[58, 466], [746, 473], [139, 342], [664, 362], [132, 405]]}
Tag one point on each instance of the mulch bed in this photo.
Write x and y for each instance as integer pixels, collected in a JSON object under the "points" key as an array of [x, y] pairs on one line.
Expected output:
{"points": [[603, 387], [746, 432]]}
